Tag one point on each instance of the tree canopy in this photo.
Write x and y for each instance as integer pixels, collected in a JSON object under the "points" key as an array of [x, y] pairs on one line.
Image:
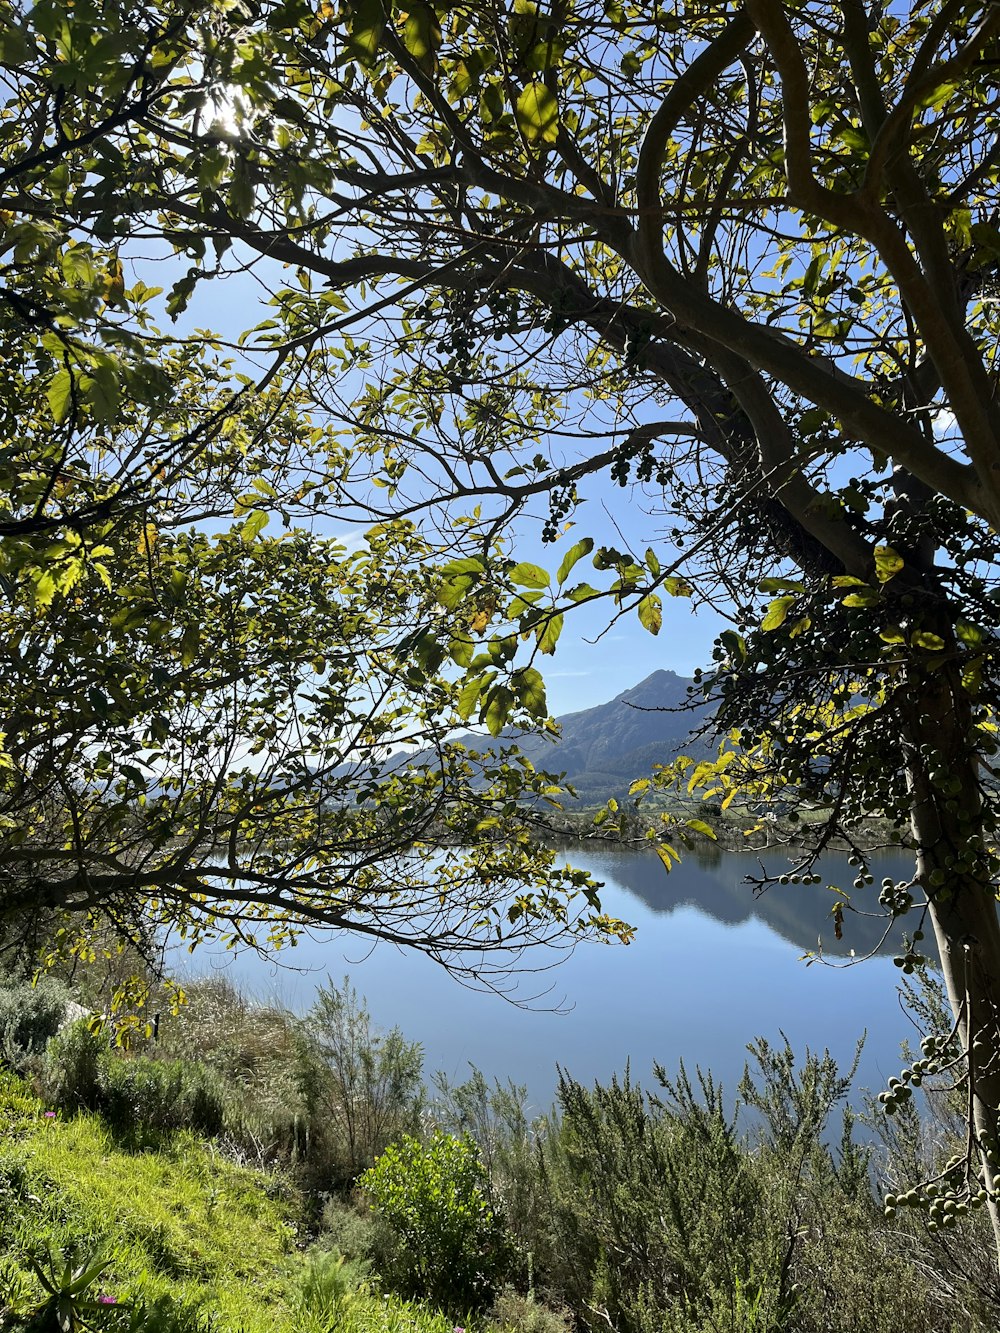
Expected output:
{"points": [[739, 257]]}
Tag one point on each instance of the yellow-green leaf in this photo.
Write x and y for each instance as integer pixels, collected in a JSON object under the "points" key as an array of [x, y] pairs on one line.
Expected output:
{"points": [[699, 826], [529, 576], [537, 113], [888, 563], [574, 554], [190, 644], [254, 525], [548, 634], [931, 643], [422, 36], [866, 597], [969, 633], [651, 614], [666, 854], [60, 395], [776, 613], [530, 688]]}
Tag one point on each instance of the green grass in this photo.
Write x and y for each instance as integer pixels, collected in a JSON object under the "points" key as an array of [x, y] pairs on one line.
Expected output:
{"points": [[179, 1220]]}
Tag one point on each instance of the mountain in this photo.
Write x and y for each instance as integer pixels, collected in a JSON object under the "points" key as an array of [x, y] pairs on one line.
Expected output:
{"points": [[602, 749]]}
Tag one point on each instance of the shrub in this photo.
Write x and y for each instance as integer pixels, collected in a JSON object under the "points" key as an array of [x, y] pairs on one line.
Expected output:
{"points": [[439, 1237], [132, 1093], [30, 1013], [72, 1061], [322, 1290], [514, 1313], [343, 1227], [653, 1208], [159, 1095], [364, 1086], [494, 1116]]}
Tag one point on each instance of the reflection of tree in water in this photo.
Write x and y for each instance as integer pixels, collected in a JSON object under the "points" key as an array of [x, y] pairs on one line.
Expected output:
{"points": [[714, 881]]}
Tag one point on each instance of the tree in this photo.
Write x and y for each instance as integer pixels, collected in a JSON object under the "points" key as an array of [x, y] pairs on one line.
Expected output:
{"points": [[209, 730], [741, 256]]}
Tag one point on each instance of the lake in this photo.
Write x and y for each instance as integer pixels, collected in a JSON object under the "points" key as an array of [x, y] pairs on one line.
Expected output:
{"points": [[711, 967]]}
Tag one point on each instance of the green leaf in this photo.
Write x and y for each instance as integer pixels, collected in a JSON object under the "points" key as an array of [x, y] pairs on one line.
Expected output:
{"points": [[529, 576], [548, 633], [537, 113], [422, 36], [469, 694], [60, 395], [971, 634], [367, 23], [651, 614], [699, 826], [776, 613], [190, 643], [460, 650], [530, 689], [452, 591], [499, 702], [866, 597], [734, 644], [582, 593], [780, 585], [931, 643], [677, 587], [888, 563], [575, 553], [101, 390], [254, 525], [13, 46]]}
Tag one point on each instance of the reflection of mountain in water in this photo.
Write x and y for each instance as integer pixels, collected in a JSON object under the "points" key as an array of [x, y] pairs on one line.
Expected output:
{"points": [[799, 913]]}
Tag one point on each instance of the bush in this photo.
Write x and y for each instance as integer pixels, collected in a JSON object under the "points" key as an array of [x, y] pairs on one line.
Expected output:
{"points": [[323, 1289], [365, 1087], [343, 1227], [30, 1013], [70, 1077], [438, 1237], [494, 1116], [654, 1209], [132, 1094], [514, 1313]]}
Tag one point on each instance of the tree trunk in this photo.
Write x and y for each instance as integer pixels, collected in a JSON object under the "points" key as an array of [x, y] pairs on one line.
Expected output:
{"points": [[957, 875]]}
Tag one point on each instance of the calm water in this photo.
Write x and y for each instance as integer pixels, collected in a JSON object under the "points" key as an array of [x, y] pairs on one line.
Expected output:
{"points": [[711, 967]]}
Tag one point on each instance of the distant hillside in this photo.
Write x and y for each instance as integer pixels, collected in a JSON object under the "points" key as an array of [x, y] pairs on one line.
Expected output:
{"points": [[602, 749]]}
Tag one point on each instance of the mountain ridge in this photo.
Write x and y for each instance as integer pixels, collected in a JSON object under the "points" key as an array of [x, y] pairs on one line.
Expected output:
{"points": [[601, 749]]}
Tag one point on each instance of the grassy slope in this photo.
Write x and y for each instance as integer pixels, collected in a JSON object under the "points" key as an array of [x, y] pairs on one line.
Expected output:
{"points": [[179, 1219]]}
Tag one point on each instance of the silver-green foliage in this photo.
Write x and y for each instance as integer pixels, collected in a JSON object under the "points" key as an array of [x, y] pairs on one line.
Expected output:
{"points": [[364, 1087], [30, 1013]]}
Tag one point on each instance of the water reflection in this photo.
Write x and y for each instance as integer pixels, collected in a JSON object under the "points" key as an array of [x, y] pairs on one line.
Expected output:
{"points": [[711, 967], [714, 882]]}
